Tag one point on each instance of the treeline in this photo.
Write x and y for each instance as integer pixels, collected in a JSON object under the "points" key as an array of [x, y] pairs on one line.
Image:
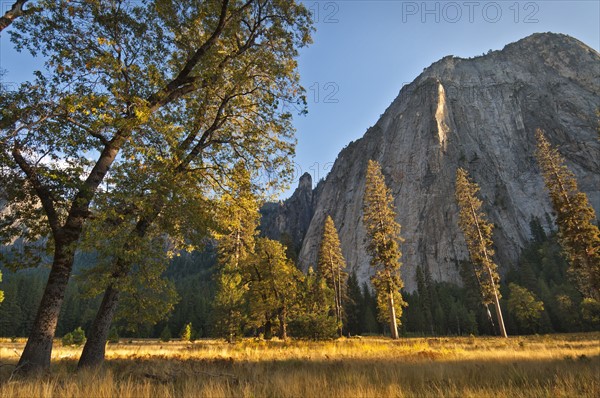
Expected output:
{"points": [[538, 295], [434, 309], [246, 285]]}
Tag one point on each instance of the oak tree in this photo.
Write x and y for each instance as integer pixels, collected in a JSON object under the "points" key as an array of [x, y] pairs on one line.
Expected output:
{"points": [[122, 77], [526, 308]]}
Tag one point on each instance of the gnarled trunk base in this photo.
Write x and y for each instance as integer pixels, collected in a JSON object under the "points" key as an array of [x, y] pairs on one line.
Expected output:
{"points": [[95, 347]]}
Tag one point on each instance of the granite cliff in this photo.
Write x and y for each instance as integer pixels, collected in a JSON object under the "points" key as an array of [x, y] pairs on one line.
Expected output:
{"points": [[479, 114]]}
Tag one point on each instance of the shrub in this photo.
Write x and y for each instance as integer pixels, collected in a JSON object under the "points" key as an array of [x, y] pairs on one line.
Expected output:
{"points": [[186, 332], [590, 311], [314, 326], [78, 336], [165, 335], [67, 339], [113, 335]]}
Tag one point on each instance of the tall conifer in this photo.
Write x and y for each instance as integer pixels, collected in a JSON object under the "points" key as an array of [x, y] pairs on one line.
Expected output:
{"points": [[478, 235], [383, 234], [332, 267], [578, 236]]}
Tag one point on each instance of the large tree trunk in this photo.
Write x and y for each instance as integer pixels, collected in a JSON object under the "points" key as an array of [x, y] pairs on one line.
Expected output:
{"points": [[38, 350], [94, 349], [268, 334], [393, 323], [499, 315], [283, 324]]}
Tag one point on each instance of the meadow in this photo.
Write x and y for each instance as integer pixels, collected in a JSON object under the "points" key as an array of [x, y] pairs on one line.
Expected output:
{"points": [[531, 366]]}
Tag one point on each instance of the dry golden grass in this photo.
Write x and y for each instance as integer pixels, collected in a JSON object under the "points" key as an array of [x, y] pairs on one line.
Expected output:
{"points": [[536, 366]]}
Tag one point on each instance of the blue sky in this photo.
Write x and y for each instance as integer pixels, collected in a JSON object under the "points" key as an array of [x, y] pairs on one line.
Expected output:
{"points": [[365, 51]]}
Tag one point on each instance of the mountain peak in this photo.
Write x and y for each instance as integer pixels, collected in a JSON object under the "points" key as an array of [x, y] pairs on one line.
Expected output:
{"points": [[479, 114], [305, 182]]}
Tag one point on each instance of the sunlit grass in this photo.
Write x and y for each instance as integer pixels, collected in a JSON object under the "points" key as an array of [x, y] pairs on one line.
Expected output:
{"points": [[535, 366]]}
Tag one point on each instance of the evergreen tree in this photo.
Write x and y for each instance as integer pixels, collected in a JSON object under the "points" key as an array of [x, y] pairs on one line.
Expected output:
{"points": [[424, 292], [78, 336], [238, 216], [186, 332], [353, 305], [478, 235], [537, 231], [383, 234], [369, 311], [165, 335], [578, 236], [332, 269], [11, 316]]}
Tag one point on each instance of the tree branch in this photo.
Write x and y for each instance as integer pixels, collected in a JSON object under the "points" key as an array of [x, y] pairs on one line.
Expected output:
{"points": [[94, 134], [41, 190], [15, 11], [158, 99]]}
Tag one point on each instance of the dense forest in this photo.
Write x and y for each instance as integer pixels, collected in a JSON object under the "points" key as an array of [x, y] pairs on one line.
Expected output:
{"points": [[435, 309]]}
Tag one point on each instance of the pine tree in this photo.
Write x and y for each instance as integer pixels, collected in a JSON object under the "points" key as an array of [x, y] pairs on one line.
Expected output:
{"points": [[383, 234], [353, 305], [578, 236], [478, 235], [332, 268], [186, 332], [238, 217], [369, 323], [165, 335], [425, 300]]}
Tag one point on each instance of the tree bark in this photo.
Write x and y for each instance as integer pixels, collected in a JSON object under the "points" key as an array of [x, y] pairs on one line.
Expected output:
{"points": [[283, 324], [95, 347], [15, 11], [499, 315], [36, 355], [393, 323]]}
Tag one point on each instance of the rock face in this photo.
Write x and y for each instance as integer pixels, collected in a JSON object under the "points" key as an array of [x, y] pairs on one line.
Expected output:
{"points": [[479, 114], [288, 221]]}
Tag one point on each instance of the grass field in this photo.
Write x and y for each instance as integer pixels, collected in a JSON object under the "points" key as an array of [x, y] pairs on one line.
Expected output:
{"points": [[535, 366]]}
